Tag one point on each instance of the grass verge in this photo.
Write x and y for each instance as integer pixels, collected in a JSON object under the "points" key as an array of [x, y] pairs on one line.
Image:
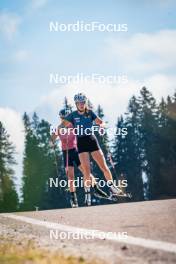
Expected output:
{"points": [[28, 253]]}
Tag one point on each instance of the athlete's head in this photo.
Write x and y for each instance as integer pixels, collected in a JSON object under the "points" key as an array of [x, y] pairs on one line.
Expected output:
{"points": [[64, 112], [81, 102]]}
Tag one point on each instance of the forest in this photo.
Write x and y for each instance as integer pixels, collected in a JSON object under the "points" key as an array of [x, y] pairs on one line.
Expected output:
{"points": [[145, 157]]}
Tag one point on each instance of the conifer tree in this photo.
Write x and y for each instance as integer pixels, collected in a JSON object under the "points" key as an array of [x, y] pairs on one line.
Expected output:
{"points": [[8, 194]]}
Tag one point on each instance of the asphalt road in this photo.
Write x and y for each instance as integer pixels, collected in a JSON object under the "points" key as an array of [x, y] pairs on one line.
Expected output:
{"points": [[146, 230]]}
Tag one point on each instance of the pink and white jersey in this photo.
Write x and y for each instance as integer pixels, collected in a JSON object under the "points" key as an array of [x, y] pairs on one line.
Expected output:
{"points": [[68, 141]]}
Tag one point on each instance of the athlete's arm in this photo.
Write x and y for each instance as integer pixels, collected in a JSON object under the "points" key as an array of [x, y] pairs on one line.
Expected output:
{"points": [[53, 134], [53, 137], [99, 122], [67, 120], [64, 123]]}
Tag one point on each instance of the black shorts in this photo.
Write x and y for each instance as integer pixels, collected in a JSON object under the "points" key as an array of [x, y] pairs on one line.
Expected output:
{"points": [[87, 144], [72, 157]]}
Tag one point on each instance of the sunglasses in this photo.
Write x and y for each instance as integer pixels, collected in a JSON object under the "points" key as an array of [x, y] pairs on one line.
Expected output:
{"points": [[81, 102]]}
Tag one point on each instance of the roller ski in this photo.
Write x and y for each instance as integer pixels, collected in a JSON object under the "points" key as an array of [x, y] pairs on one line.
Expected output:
{"points": [[114, 197], [123, 195], [99, 193], [73, 200], [115, 194], [88, 200]]}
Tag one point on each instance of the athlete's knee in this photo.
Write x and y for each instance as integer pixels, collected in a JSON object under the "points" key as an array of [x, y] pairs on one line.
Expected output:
{"points": [[70, 172], [71, 177], [86, 169], [80, 168]]}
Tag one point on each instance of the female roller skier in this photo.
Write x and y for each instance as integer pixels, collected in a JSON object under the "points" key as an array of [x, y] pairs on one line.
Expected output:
{"points": [[71, 158], [83, 119]]}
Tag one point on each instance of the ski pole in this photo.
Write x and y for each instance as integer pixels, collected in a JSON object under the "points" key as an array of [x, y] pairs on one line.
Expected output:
{"points": [[67, 157], [55, 159]]}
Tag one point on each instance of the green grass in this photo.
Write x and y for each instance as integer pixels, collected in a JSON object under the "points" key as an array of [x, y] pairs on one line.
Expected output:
{"points": [[11, 253]]}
